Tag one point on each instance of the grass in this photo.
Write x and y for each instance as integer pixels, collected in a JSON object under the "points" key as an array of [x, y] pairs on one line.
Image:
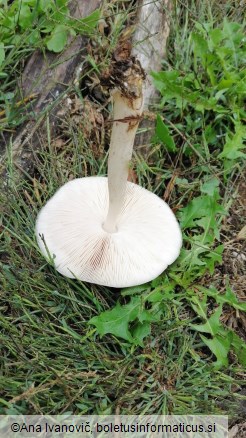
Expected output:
{"points": [[52, 360]]}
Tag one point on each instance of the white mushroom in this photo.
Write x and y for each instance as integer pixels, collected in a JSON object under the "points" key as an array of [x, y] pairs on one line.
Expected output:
{"points": [[109, 231]]}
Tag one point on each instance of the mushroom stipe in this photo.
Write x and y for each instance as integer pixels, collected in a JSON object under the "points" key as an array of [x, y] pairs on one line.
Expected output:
{"points": [[71, 227], [109, 231]]}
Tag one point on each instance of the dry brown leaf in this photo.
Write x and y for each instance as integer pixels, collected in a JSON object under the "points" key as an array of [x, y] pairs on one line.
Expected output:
{"points": [[170, 186], [58, 144], [242, 234]]}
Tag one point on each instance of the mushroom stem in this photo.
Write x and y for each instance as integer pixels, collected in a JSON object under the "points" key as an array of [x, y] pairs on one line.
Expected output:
{"points": [[126, 116]]}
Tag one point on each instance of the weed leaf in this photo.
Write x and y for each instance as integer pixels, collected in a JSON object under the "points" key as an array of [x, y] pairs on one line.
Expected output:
{"points": [[89, 23], [210, 186], [228, 297], [140, 331], [214, 256], [203, 208], [220, 347], [58, 39], [163, 134], [212, 326], [116, 321], [234, 143]]}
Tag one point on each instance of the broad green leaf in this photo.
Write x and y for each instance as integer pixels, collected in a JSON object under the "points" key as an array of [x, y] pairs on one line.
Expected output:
{"points": [[210, 186], [60, 13], [214, 256], [226, 84], [164, 293], [33, 37], [228, 297], [190, 257], [140, 331], [220, 347], [44, 5], [205, 207], [116, 321], [210, 225], [135, 289], [30, 2], [147, 316], [88, 23], [61, 3], [197, 208], [200, 47], [167, 82], [46, 26], [199, 305], [212, 325], [234, 37], [216, 36], [24, 17], [164, 135], [234, 144], [157, 296], [58, 39], [210, 135]]}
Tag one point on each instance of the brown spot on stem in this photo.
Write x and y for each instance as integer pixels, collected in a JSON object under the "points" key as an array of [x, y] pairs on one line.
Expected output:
{"points": [[126, 74], [132, 124]]}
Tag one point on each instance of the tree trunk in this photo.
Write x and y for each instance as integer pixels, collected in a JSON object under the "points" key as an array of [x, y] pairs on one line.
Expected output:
{"points": [[150, 38]]}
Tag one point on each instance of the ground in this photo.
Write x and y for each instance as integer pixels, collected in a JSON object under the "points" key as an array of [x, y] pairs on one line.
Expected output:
{"points": [[52, 359]]}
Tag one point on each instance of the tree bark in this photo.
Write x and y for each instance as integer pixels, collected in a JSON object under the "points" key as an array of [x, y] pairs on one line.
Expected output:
{"points": [[149, 41]]}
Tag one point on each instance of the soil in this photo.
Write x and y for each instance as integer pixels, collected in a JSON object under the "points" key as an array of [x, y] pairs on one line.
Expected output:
{"points": [[238, 431]]}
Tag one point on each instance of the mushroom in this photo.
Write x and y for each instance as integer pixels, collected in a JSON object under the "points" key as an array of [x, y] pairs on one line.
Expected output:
{"points": [[109, 231]]}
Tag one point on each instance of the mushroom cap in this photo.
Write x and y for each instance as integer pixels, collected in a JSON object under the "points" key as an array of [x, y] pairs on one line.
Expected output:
{"points": [[70, 227]]}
